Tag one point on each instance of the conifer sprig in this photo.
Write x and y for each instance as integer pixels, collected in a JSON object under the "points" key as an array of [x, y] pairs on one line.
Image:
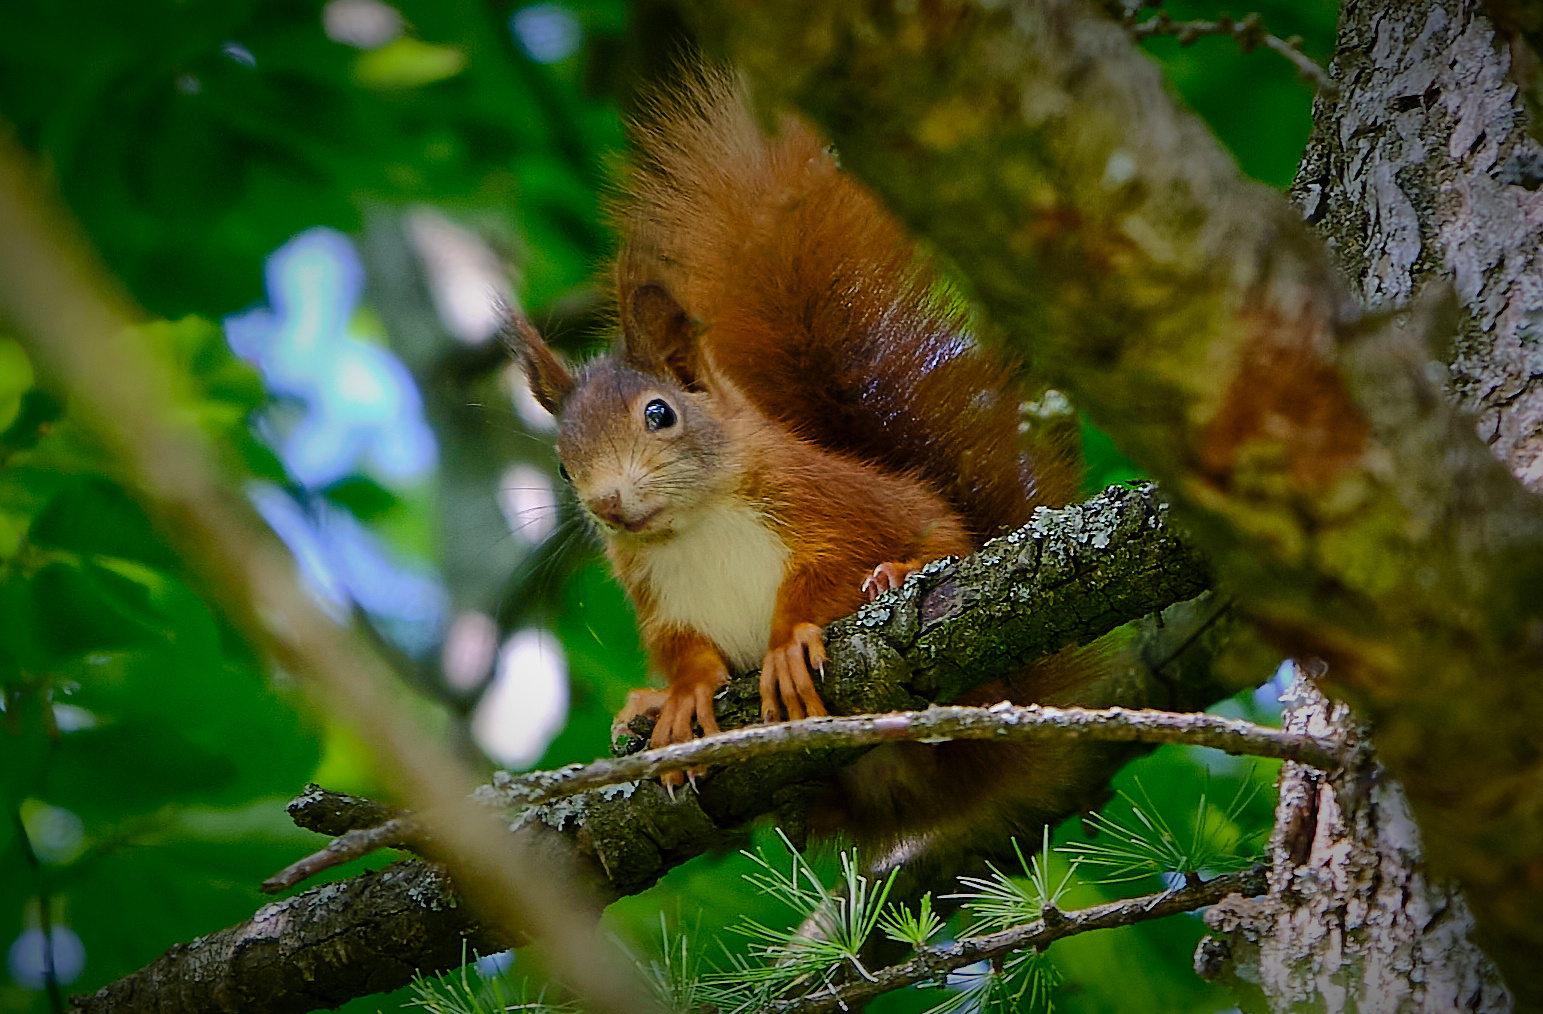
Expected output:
{"points": [[1144, 842]]}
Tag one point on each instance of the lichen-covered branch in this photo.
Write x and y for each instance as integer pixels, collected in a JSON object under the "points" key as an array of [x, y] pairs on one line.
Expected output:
{"points": [[1068, 577], [326, 812], [1352, 920], [931, 963], [1342, 499]]}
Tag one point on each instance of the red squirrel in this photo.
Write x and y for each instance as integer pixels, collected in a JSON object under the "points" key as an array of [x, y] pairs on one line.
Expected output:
{"points": [[795, 418]]}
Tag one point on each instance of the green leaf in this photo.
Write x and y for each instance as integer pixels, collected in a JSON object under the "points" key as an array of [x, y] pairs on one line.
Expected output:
{"points": [[365, 498], [87, 608], [134, 767], [25, 750], [15, 379], [408, 63], [37, 409], [222, 705], [20, 644], [230, 387], [96, 517]]}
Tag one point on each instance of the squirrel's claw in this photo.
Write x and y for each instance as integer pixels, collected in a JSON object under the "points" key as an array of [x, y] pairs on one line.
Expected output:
{"points": [[888, 576], [785, 676]]}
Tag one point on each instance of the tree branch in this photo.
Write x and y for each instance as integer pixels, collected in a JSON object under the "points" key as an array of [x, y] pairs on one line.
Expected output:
{"points": [[79, 327], [1002, 723], [384, 926], [1349, 894], [932, 963], [399, 832], [1068, 577]]}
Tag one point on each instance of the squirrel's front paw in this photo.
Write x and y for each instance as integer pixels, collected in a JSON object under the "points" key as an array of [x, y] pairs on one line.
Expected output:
{"points": [[785, 679]]}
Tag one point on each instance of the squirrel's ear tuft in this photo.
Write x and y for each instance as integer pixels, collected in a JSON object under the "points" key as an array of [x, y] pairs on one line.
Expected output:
{"points": [[549, 379], [659, 337]]}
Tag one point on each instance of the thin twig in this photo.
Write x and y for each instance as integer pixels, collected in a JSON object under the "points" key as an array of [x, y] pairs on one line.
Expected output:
{"points": [[932, 963], [395, 833], [1001, 722], [1248, 33]]}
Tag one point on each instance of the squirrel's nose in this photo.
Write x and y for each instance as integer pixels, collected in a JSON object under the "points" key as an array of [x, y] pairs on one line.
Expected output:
{"points": [[608, 508]]}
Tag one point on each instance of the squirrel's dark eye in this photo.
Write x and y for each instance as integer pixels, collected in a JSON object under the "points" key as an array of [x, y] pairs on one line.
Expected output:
{"points": [[658, 415], [563, 471]]}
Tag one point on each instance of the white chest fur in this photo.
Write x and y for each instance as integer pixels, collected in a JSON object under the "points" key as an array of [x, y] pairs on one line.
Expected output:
{"points": [[720, 577]]}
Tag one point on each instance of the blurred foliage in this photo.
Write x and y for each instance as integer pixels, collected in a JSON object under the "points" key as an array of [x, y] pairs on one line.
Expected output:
{"points": [[191, 138]]}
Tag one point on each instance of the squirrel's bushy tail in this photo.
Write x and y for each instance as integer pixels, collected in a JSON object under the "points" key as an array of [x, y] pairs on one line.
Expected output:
{"points": [[816, 303]]}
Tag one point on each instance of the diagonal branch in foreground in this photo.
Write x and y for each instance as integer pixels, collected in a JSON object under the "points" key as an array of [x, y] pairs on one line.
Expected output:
{"points": [[931, 963], [79, 329], [1068, 577]]}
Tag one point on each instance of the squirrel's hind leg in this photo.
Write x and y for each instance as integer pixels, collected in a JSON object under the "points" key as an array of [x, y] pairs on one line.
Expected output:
{"points": [[644, 702], [887, 576]]}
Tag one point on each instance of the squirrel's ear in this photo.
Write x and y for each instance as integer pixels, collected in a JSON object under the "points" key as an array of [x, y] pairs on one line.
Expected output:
{"points": [[658, 336], [549, 379]]}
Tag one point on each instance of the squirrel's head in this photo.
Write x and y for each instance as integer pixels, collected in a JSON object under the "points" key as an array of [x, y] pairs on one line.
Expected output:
{"points": [[641, 432]]}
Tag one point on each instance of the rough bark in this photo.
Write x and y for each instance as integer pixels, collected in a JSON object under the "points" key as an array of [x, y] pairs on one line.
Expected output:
{"points": [[368, 934], [1068, 577], [1351, 921], [1349, 507], [1423, 170]]}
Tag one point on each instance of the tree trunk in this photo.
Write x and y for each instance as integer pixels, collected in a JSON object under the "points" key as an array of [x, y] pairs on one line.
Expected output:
{"points": [[1422, 170], [1351, 921]]}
